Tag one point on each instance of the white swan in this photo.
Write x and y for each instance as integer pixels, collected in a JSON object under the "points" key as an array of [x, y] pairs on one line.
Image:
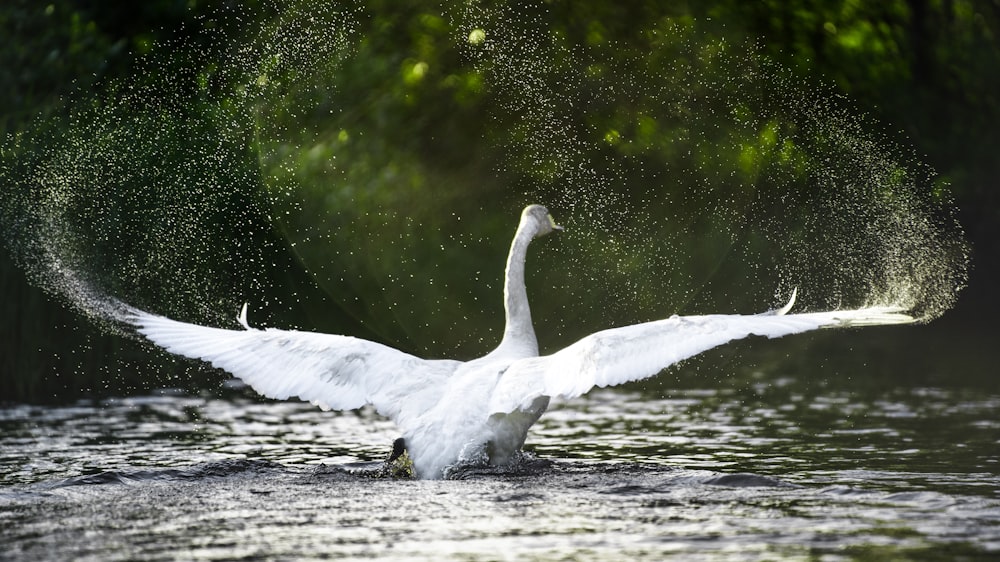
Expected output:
{"points": [[449, 411]]}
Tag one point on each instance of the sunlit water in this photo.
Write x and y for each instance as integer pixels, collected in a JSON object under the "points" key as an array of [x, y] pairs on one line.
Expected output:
{"points": [[778, 469]]}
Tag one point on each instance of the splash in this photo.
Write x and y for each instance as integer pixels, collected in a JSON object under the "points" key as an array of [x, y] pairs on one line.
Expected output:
{"points": [[130, 202], [706, 173], [387, 158], [151, 192]]}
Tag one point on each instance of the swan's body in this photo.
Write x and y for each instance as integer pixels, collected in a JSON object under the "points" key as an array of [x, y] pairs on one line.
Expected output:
{"points": [[449, 411]]}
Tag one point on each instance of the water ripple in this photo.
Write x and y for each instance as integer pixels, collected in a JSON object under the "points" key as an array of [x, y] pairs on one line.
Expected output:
{"points": [[700, 474]]}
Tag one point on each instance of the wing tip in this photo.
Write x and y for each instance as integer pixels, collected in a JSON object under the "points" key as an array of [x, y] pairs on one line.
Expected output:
{"points": [[129, 315], [875, 316], [869, 316]]}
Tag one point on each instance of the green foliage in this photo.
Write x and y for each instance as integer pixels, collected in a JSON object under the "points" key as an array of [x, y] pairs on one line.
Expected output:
{"points": [[327, 168], [49, 49]]}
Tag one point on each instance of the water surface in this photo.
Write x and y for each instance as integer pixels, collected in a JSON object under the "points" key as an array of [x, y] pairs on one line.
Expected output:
{"points": [[773, 470]]}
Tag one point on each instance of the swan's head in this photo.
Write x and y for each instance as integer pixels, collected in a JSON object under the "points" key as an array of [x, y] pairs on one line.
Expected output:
{"points": [[538, 217]]}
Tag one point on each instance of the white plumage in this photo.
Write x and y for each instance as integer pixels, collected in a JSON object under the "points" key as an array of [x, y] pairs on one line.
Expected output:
{"points": [[450, 411]]}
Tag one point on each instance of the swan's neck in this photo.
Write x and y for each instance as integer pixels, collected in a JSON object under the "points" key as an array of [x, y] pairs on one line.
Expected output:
{"points": [[519, 334]]}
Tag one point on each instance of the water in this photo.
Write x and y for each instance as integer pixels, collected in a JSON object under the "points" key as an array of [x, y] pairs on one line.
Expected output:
{"points": [[775, 469]]}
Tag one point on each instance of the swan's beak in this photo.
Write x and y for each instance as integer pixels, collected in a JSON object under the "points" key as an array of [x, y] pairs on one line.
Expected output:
{"points": [[555, 227]]}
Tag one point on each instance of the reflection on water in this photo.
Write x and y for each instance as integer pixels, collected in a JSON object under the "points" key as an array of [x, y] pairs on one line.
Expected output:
{"points": [[773, 470]]}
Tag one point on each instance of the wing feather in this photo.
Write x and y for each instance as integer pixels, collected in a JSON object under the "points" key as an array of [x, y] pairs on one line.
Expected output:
{"points": [[331, 371], [640, 351]]}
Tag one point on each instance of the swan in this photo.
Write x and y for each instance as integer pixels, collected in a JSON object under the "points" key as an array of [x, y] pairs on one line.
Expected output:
{"points": [[452, 411]]}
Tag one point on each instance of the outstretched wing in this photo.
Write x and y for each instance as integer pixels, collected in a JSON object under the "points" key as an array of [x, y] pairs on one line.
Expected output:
{"points": [[331, 371], [631, 353]]}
